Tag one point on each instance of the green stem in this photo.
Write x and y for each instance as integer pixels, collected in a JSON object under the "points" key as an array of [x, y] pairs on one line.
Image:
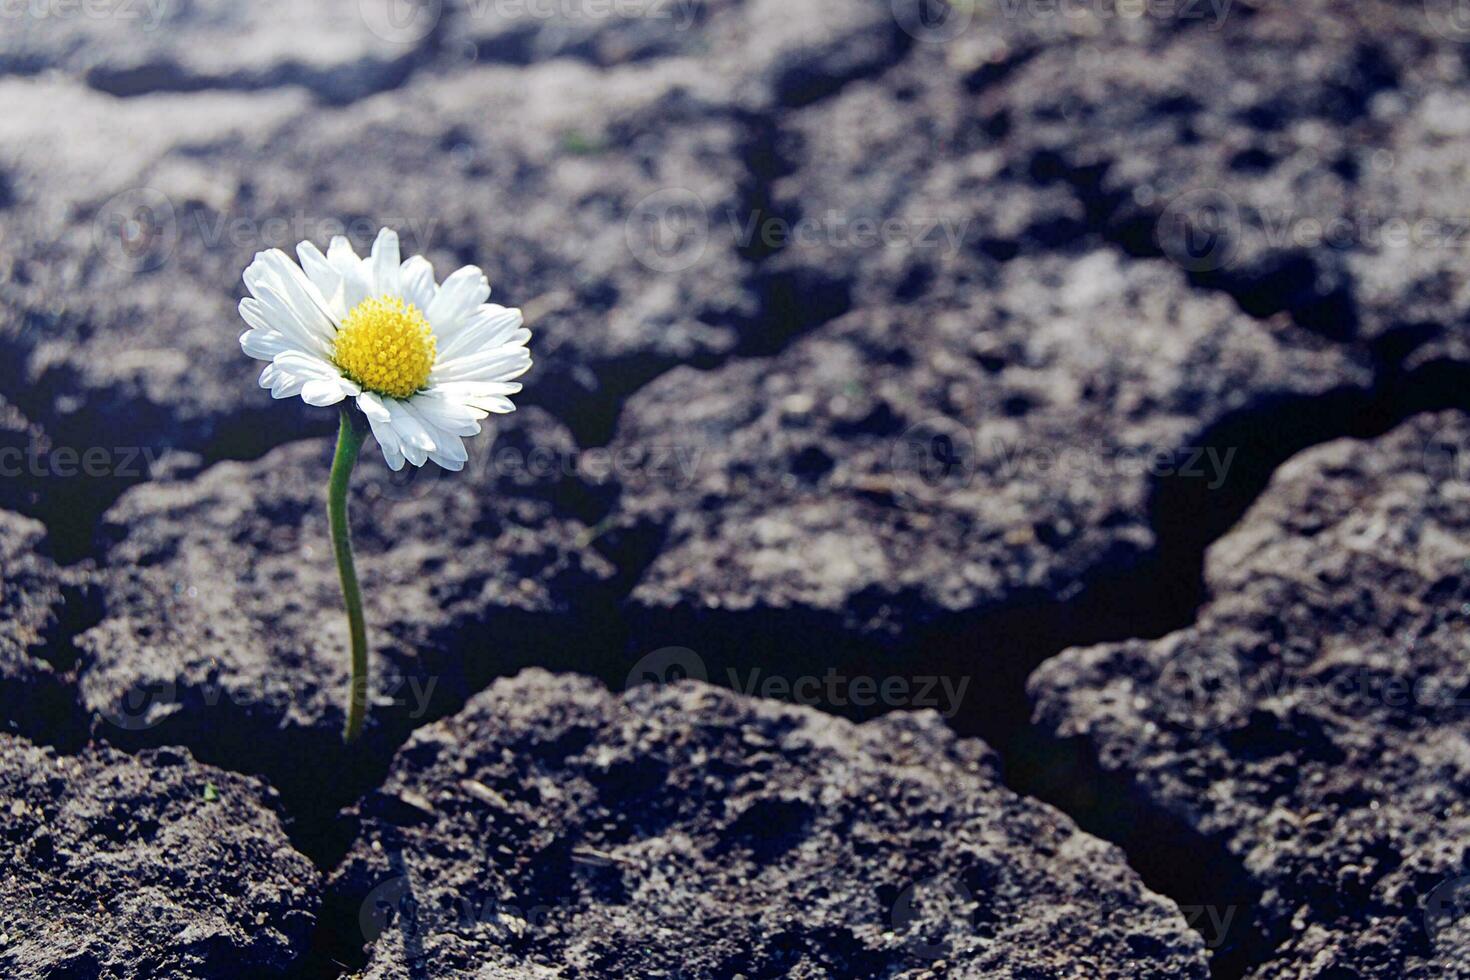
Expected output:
{"points": [[349, 445]]}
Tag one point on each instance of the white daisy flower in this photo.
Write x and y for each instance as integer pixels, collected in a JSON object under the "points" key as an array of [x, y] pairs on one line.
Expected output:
{"points": [[425, 362]]}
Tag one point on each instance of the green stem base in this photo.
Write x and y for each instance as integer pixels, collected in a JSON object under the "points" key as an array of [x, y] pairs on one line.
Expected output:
{"points": [[349, 445]]}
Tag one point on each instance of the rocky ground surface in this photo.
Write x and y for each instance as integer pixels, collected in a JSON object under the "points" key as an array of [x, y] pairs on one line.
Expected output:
{"points": [[552, 828], [145, 866], [215, 632], [882, 357], [35, 632], [1314, 716], [818, 489]]}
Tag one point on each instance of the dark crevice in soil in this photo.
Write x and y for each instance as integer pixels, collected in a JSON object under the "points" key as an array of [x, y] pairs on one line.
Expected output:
{"points": [[67, 495], [1197, 872], [25, 65], [1137, 595], [317, 777], [49, 713], [70, 498], [81, 609], [335, 85], [765, 163], [992, 73], [591, 411], [1316, 297], [50, 716], [790, 301], [72, 513], [998, 649], [1295, 282], [1189, 517], [1131, 595], [518, 47], [166, 77], [532, 43], [794, 302], [631, 547], [814, 79], [790, 304]]}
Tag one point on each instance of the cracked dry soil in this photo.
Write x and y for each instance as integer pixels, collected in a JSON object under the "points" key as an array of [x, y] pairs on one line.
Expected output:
{"points": [[1192, 567]]}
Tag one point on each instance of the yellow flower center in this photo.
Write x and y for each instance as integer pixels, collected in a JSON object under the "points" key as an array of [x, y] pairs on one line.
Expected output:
{"points": [[387, 346]]}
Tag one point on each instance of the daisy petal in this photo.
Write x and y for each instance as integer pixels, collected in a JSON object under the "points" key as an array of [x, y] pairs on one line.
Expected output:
{"points": [[414, 440], [385, 263], [451, 448], [282, 384], [483, 398], [372, 406], [498, 364], [263, 345], [445, 443], [496, 404], [465, 392], [342, 255], [324, 276], [390, 444], [452, 417], [459, 296], [381, 423], [321, 392], [489, 326], [294, 314], [263, 341], [417, 276], [451, 463], [287, 302], [278, 314], [306, 365], [273, 271], [355, 285], [450, 453]]}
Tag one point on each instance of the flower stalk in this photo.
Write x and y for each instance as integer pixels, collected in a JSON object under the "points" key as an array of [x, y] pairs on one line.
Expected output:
{"points": [[417, 362], [350, 437]]}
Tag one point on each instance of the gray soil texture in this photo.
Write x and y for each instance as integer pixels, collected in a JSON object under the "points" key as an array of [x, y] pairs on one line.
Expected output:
{"points": [[145, 866], [992, 499]]}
